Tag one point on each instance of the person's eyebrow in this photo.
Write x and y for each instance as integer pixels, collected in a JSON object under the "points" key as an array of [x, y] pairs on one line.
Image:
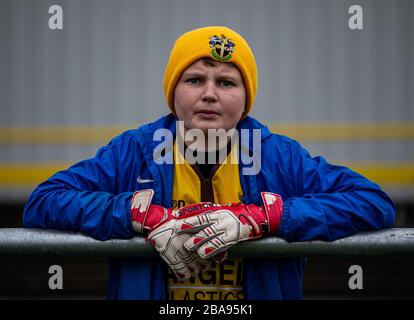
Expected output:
{"points": [[190, 74], [200, 74], [228, 77]]}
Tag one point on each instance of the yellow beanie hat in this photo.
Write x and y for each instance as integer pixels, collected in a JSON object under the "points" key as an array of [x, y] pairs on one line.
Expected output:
{"points": [[216, 42]]}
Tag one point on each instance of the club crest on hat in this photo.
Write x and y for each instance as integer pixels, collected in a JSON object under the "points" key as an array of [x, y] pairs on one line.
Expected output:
{"points": [[222, 48]]}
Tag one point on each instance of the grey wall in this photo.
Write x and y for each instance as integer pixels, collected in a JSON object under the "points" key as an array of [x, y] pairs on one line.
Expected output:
{"points": [[106, 66]]}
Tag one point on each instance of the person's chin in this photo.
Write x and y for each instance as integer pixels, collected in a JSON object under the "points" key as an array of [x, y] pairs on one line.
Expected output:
{"points": [[205, 124]]}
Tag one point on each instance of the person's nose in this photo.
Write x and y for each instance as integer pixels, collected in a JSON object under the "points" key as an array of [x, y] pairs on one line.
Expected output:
{"points": [[210, 93]]}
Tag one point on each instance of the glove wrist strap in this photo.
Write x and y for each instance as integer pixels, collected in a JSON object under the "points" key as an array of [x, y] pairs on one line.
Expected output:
{"points": [[140, 207], [273, 206]]}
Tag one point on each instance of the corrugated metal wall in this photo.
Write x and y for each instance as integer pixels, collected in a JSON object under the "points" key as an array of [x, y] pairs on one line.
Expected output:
{"points": [[105, 68]]}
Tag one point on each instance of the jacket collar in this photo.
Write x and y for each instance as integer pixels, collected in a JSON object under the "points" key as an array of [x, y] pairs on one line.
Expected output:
{"points": [[163, 173]]}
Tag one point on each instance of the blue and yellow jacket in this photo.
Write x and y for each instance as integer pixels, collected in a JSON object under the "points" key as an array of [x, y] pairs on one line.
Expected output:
{"points": [[321, 201]]}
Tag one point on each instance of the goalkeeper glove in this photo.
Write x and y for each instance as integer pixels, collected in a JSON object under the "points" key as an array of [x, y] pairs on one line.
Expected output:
{"points": [[222, 226]]}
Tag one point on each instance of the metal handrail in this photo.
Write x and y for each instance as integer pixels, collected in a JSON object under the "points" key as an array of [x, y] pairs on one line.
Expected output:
{"points": [[396, 242]]}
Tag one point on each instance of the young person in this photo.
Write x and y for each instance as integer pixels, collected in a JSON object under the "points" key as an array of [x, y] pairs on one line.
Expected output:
{"points": [[202, 178]]}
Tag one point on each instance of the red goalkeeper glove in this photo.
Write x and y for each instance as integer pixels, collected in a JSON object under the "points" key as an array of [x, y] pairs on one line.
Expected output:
{"points": [[162, 224], [223, 226]]}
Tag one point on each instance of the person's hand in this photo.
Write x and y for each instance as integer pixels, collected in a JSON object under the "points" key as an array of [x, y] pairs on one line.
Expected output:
{"points": [[162, 224], [225, 225], [146, 216], [170, 245]]}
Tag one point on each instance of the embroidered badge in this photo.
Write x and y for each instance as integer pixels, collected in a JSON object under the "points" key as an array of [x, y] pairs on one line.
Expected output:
{"points": [[222, 48]]}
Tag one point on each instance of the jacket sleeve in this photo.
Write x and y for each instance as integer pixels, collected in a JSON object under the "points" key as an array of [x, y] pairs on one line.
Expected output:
{"points": [[87, 197], [329, 202]]}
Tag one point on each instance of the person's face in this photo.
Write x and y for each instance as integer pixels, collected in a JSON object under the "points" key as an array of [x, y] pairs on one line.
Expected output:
{"points": [[210, 95]]}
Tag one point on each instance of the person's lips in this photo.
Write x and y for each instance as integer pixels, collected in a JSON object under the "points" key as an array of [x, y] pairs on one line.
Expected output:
{"points": [[207, 114]]}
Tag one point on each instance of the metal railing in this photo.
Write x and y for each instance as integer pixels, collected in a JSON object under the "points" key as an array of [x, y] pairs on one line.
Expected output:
{"points": [[397, 242]]}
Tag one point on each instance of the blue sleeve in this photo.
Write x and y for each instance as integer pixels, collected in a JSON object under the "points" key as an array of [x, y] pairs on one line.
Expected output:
{"points": [[92, 196], [330, 202]]}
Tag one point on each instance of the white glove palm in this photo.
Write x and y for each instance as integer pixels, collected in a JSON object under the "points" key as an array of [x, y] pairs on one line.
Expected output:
{"points": [[170, 246], [222, 229]]}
